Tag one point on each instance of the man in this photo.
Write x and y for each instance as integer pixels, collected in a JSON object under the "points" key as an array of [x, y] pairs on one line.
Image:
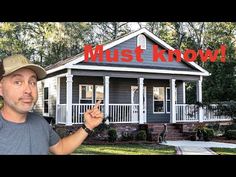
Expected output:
{"points": [[25, 132]]}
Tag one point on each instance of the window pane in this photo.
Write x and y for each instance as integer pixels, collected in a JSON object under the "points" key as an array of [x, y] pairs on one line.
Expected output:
{"points": [[99, 92], [46, 93], [158, 106], [168, 94], [86, 92], [45, 106], [168, 106], [158, 93]]}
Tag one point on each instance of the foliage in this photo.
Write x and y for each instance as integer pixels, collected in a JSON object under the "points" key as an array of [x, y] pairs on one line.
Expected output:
{"points": [[208, 134], [141, 135], [227, 108], [127, 136], [230, 134], [203, 132], [112, 135], [230, 127]]}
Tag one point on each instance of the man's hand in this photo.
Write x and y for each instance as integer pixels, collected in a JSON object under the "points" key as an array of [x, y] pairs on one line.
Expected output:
{"points": [[93, 117]]}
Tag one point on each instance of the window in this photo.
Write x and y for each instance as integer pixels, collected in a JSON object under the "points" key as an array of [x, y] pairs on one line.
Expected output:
{"points": [[86, 94], [141, 41], [99, 93], [168, 98], [158, 100], [45, 100]]}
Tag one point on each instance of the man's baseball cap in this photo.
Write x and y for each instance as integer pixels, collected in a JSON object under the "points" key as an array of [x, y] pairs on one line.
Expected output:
{"points": [[12, 63]]}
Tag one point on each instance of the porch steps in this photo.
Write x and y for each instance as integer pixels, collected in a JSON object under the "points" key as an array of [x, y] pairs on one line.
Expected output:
{"points": [[173, 131]]}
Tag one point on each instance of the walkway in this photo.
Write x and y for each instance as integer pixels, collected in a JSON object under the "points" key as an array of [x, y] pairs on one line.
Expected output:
{"points": [[197, 147]]}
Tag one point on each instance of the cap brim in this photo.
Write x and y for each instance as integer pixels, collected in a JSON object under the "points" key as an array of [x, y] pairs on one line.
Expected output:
{"points": [[39, 71]]}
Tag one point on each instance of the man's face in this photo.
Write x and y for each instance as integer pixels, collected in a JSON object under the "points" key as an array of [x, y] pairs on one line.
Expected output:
{"points": [[19, 90]]}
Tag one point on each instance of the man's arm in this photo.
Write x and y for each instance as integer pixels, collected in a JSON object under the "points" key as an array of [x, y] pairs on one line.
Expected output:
{"points": [[68, 144]]}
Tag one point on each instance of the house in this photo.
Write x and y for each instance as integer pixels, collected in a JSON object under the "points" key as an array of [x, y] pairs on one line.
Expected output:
{"points": [[131, 92]]}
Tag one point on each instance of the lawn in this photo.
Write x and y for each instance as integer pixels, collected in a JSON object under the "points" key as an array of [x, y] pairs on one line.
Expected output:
{"points": [[225, 151], [125, 149]]}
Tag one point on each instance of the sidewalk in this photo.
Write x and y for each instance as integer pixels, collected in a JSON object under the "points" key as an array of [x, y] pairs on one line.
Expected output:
{"points": [[188, 150], [197, 147]]}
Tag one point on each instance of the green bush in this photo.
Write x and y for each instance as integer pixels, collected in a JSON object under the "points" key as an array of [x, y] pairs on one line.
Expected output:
{"points": [[141, 135], [230, 127], [231, 134], [127, 136], [208, 134], [112, 135]]}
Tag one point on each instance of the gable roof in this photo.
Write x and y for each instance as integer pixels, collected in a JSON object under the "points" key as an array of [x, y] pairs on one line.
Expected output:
{"points": [[70, 62]]}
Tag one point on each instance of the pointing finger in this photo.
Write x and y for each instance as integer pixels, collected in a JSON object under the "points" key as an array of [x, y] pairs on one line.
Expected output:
{"points": [[97, 104]]}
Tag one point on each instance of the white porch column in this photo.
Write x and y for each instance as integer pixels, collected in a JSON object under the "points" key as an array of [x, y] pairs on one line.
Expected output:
{"points": [[106, 97], [199, 98], [184, 95], [140, 91], [69, 81], [172, 101], [58, 98]]}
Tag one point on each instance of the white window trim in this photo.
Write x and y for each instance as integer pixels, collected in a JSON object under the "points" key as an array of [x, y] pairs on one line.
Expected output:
{"points": [[153, 102], [45, 114], [167, 100], [176, 93], [96, 92], [80, 90]]}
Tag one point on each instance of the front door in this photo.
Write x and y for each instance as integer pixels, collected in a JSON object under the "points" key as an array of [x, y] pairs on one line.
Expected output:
{"points": [[135, 100]]}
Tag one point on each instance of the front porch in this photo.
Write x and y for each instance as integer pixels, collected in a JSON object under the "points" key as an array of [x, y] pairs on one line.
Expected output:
{"points": [[128, 113], [127, 98]]}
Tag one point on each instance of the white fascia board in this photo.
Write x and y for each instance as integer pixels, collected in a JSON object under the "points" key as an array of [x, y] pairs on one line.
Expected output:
{"points": [[143, 70], [56, 69]]}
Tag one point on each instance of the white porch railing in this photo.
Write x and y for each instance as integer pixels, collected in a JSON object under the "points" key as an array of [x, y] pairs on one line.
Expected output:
{"points": [[118, 113], [186, 113], [123, 113], [214, 114], [128, 113], [190, 113]]}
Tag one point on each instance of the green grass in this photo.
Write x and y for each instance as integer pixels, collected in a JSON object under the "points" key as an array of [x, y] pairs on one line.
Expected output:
{"points": [[225, 151], [127, 149]]}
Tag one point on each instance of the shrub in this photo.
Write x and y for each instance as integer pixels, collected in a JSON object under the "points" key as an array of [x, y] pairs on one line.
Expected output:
{"points": [[231, 134], [112, 135], [127, 136], [62, 132], [141, 135], [230, 127], [208, 134]]}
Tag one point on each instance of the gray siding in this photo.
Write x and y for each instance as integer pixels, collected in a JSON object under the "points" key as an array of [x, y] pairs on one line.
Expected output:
{"points": [[179, 85], [147, 56], [62, 90], [120, 90]]}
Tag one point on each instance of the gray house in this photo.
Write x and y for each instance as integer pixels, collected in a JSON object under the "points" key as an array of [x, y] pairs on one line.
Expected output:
{"points": [[131, 92]]}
